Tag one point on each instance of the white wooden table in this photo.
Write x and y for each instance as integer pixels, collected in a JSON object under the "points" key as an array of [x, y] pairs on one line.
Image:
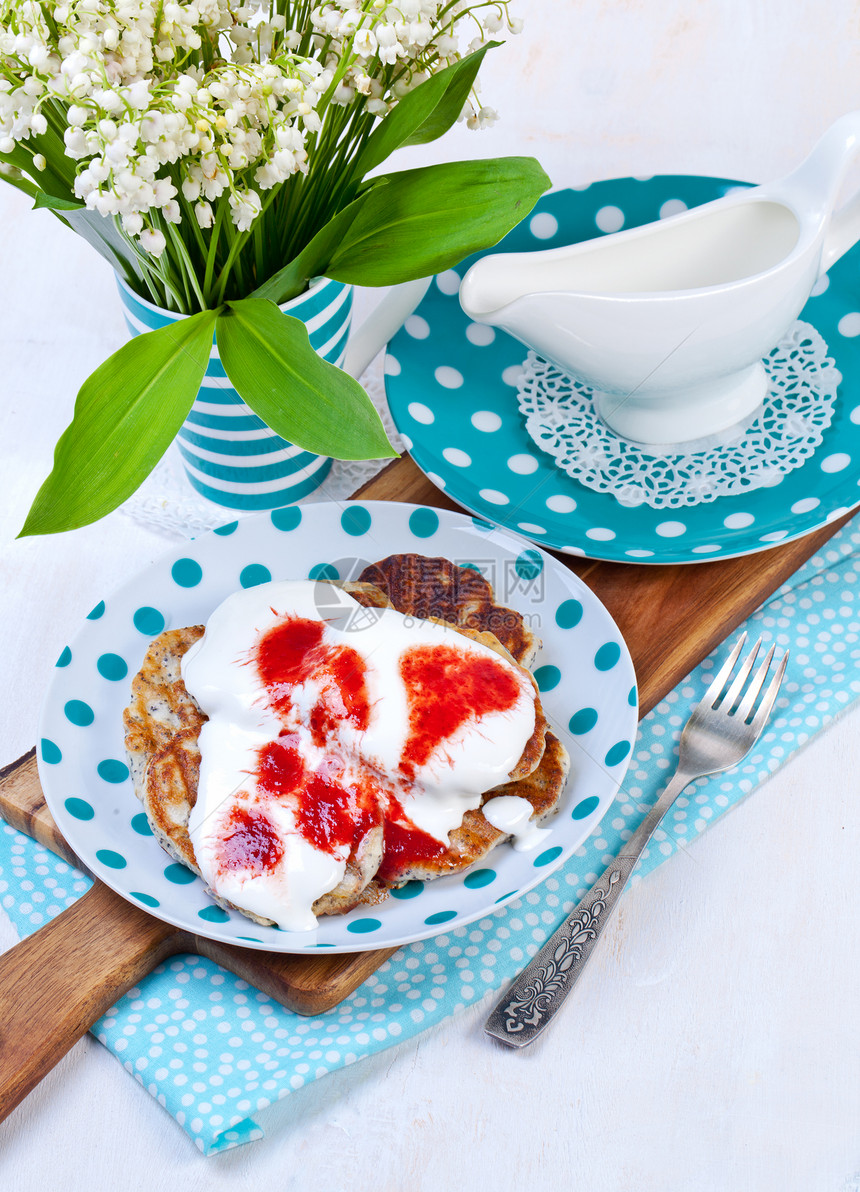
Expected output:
{"points": [[714, 1043]]}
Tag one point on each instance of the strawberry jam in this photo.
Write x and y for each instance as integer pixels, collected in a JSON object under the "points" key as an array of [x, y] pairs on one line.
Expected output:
{"points": [[445, 689], [405, 844], [331, 815], [250, 841], [292, 653], [280, 769]]}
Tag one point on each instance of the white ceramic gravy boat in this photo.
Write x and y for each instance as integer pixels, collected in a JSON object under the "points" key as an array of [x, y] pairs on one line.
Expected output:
{"points": [[669, 322]]}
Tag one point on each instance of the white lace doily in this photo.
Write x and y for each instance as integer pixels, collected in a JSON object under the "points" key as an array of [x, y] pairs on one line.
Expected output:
{"points": [[562, 419], [166, 502]]}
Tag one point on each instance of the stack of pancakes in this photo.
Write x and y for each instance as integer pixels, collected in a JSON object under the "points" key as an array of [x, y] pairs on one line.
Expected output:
{"points": [[163, 723]]}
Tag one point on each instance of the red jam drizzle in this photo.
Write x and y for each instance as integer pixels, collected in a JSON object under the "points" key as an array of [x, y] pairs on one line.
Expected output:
{"points": [[250, 841], [280, 770], [404, 844], [293, 652], [331, 815], [444, 690]]}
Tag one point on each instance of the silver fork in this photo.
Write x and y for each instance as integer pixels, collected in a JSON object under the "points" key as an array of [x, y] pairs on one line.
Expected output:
{"points": [[721, 731]]}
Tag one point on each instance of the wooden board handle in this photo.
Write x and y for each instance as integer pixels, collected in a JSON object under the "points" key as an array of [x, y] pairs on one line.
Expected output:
{"points": [[306, 984], [56, 983], [23, 806]]}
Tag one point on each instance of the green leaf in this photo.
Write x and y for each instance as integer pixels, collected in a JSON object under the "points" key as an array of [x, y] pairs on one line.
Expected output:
{"points": [[19, 158], [428, 219], [56, 203], [313, 259], [20, 182], [126, 415], [102, 233], [424, 114], [49, 189], [268, 357]]}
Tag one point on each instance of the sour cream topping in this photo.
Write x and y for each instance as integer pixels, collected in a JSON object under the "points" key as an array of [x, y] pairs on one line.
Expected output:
{"points": [[512, 815], [328, 722]]}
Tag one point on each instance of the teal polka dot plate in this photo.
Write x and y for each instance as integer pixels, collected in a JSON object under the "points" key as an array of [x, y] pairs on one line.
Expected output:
{"points": [[451, 387], [583, 670]]}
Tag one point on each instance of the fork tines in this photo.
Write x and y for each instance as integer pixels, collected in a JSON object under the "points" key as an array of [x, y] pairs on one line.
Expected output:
{"points": [[740, 698]]}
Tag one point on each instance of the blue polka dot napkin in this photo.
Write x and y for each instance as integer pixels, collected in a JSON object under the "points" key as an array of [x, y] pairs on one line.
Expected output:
{"points": [[214, 1051]]}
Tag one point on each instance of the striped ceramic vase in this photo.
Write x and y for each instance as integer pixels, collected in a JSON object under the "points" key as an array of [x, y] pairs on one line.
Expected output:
{"points": [[230, 455]]}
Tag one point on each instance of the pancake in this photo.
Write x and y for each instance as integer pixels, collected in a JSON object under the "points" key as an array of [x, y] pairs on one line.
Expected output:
{"points": [[160, 706], [163, 723], [437, 588], [476, 836]]}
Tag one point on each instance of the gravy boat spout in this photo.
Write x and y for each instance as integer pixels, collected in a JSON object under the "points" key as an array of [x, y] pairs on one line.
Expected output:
{"points": [[669, 322]]}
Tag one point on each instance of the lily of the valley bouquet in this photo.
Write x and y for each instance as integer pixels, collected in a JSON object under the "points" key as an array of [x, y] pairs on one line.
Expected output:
{"points": [[220, 156]]}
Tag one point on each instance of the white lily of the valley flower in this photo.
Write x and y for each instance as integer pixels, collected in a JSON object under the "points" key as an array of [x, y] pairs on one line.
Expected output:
{"points": [[153, 241], [245, 209], [191, 188]]}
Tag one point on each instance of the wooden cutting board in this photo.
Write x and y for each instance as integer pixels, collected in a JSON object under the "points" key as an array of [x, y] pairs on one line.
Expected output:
{"points": [[57, 982]]}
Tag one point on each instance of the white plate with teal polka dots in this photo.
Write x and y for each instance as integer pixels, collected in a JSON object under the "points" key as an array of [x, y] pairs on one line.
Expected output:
{"points": [[584, 672], [451, 387]]}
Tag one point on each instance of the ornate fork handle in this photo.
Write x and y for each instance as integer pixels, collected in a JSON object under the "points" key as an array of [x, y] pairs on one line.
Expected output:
{"points": [[535, 995]]}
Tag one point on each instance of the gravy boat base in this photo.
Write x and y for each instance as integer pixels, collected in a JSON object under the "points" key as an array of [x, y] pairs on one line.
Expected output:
{"points": [[690, 412]]}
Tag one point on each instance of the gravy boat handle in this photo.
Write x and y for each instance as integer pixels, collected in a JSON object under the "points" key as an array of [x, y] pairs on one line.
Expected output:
{"points": [[380, 325], [843, 142], [813, 188], [843, 233]]}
